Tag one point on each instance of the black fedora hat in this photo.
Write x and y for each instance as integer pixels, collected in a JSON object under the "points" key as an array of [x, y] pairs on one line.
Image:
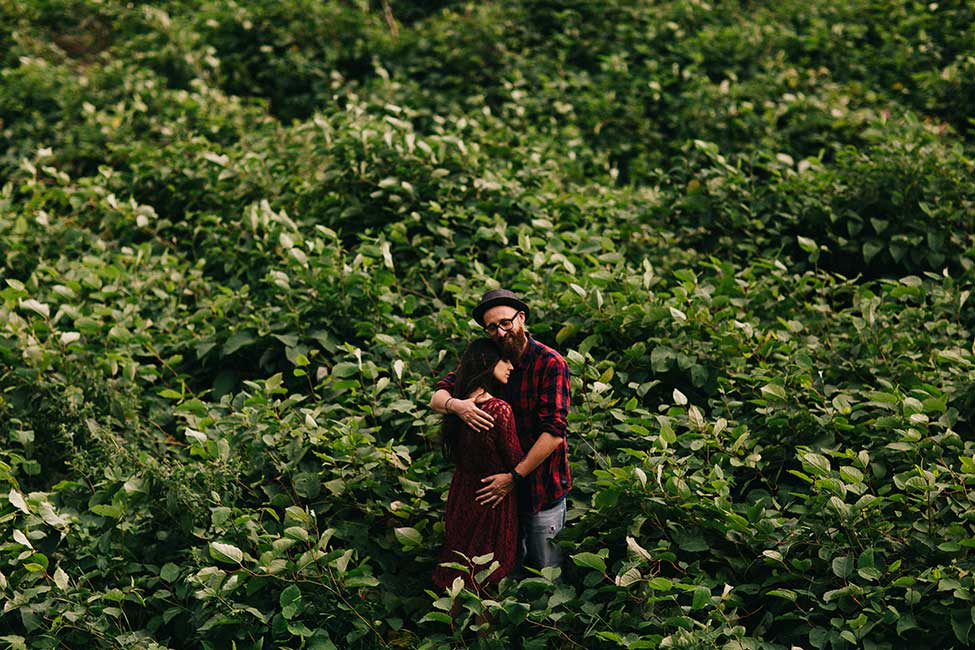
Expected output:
{"points": [[496, 297]]}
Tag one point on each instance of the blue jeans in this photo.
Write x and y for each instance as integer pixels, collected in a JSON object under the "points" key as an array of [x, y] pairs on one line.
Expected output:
{"points": [[536, 532]]}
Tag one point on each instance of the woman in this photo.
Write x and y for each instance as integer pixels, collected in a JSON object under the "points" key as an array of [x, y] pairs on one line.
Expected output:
{"points": [[472, 529]]}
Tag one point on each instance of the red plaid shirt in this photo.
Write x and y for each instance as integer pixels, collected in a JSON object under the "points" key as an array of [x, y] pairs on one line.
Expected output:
{"points": [[538, 392]]}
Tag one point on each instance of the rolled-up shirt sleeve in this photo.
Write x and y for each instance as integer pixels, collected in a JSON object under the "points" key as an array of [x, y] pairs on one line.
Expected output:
{"points": [[447, 383], [553, 397]]}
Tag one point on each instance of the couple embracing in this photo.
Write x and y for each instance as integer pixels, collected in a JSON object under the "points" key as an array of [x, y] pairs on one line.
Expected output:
{"points": [[505, 412]]}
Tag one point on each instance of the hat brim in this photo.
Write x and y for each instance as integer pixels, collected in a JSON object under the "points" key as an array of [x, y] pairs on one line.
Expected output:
{"points": [[480, 310]]}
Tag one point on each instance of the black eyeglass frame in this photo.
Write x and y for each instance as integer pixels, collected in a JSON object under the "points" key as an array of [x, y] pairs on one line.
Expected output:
{"points": [[493, 328]]}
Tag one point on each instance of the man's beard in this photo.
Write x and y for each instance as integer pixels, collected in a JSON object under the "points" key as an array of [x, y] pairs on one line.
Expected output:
{"points": [[513, 345]]}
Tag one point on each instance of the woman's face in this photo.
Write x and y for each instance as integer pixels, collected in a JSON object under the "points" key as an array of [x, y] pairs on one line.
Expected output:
{"points": [[502, 370]]}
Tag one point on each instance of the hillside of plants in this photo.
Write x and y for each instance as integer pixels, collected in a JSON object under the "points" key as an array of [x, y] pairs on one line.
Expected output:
{"points": [[240, 240]]}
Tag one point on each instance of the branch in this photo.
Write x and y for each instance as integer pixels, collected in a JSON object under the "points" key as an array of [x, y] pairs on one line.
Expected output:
{"points": [[390, 20]]}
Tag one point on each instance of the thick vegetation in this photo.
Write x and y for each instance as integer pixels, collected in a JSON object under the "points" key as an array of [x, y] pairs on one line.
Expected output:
{"points": [[240, 240]]}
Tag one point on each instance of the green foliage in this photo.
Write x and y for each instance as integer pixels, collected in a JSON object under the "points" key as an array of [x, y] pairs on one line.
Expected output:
{"points": [[239, 241]]}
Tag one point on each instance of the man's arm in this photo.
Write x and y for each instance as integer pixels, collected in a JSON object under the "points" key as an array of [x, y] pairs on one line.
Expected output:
{"points": [[499, 485], [465, 409], [553, 411]]}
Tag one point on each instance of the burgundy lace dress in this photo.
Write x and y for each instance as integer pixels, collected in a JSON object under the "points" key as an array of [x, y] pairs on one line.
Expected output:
{"points": [[470, 528]]}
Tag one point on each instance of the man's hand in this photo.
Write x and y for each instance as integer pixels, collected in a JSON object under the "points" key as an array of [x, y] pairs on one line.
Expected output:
{"points": [[497, 488], [470, 415]]}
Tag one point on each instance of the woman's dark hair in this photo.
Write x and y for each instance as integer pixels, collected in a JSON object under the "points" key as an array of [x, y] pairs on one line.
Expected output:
{"points": [[476, 370]]}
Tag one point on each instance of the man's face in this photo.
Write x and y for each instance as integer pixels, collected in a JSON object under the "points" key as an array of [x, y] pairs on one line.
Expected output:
{"points": [[506, 325]]}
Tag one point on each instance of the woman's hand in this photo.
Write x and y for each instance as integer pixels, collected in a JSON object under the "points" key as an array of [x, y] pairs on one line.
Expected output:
{"points": [[497, 488], [467, 411]]}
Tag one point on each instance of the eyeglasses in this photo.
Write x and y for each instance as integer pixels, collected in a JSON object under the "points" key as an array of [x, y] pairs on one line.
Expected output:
{"points": [[505, 325]]}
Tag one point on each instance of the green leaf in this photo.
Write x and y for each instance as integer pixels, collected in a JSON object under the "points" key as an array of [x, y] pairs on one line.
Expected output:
{"points": [[290, 601], [842, 566], [408, 537], [638, 550], [693, 541], [843, 404], [867, 559], [606, 499], [297, 628], [21, 538], [289, 340], [169, 572], [336, 486], [662, 359], [551, 573], [483, 574], [905, 623], [344, 369], [61, 579], [629, 577], [667, 433], [226, 553], [774, 390], [479, 560], [516, 611], [107, 510], [816, 463], [238, 341], [38, 308], [17, 500], [50, 517], [14, 642], [660, 584], [870, 573], [342, 562], [806, 244], [274, 382], [563, 594], [702, 596], [787, 594], [219, 516], [307, 485], [565, 332], [590, 561], [436, 617], [357, 582], [296, 532], [818, 637], [870, 250]]}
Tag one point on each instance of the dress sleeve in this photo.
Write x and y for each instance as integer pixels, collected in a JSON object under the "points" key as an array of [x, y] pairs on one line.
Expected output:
{"points": [[506, 436]]}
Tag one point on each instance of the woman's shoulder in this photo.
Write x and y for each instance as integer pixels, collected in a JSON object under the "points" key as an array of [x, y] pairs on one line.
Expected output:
{"points": [[496, 405]]}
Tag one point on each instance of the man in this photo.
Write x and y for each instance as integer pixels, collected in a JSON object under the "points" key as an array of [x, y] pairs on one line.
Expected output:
{"points": [[538, 392]]}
